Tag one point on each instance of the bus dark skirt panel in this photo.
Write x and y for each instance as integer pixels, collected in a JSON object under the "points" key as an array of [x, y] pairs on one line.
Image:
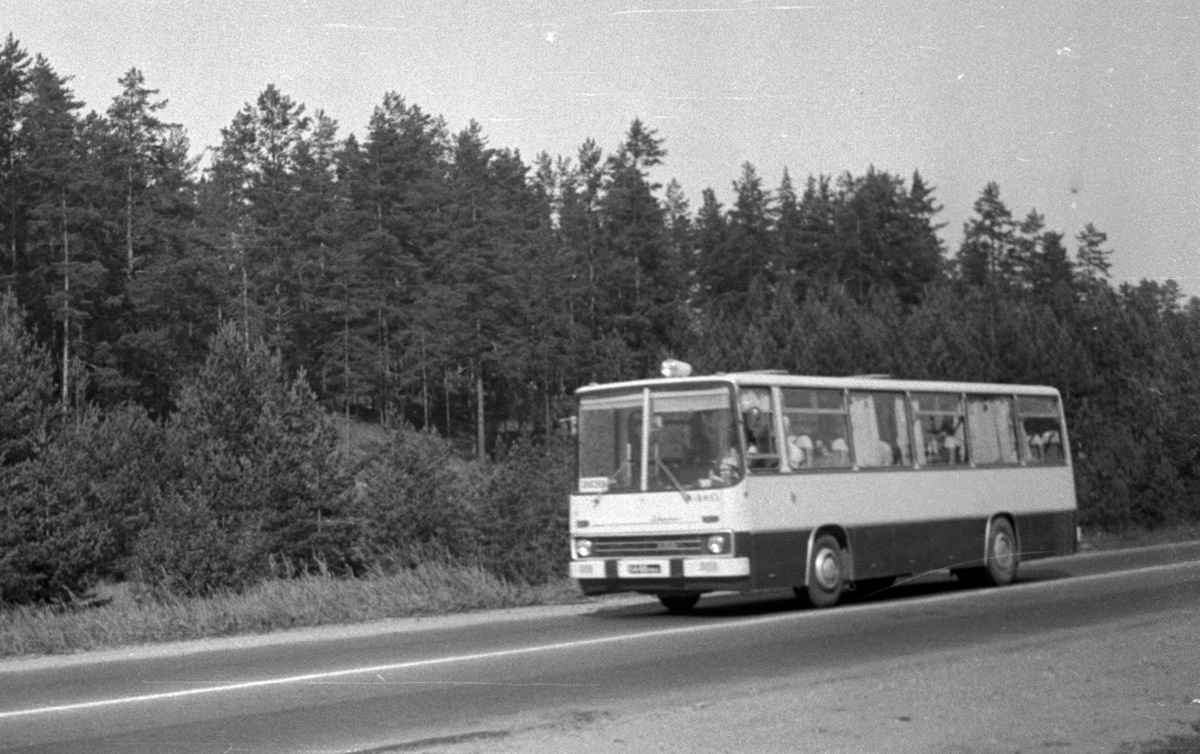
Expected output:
{"points": [[778, 558]]}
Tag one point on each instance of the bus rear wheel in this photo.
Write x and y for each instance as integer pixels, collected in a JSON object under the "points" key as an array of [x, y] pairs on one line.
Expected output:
{"points": [[1000, 566], [826, 573], [678, 603], [1002, 555]]}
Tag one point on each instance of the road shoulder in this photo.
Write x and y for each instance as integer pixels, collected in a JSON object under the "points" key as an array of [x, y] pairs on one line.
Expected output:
{"points": [[1129, 686]]}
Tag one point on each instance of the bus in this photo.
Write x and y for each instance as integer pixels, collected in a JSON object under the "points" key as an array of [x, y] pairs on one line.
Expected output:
{"points": [[761, 480]]}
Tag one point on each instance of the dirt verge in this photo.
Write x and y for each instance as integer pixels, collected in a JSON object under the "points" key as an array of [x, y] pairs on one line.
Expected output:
{"points": [[1129, 687]]}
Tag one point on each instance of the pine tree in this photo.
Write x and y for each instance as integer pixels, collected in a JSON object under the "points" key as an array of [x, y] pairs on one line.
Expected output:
{"points": [[1092, 258], [470, 302], [138, 135], [321, 211], [148, 181], [26, 385], [641, 283], [579, 228], [254, 187], [787, 226], [680, 233], [394, 185], [814, 259], [987, 253], [57, 167], [1047, 272], [924, 260], [885, 235], [14, 89], [751, 258], [712, 234], [258, 478], [552, 294]]}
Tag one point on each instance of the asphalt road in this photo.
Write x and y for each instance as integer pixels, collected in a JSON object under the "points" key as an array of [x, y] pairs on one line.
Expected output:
{"points": [[407, 685]]}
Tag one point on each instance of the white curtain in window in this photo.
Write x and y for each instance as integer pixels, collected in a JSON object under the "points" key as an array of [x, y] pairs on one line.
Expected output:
{"points": [[864, 428], [992, 437]]}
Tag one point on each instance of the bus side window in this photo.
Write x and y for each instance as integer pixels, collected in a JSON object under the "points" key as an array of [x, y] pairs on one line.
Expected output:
{"points": [[940, 429], [758, 420], [1040, 430], [816, 429], [879, 425], [993, 439]]}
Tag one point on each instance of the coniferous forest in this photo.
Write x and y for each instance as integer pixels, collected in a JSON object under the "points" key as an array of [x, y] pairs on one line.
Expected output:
{"points": [[185, 348]]}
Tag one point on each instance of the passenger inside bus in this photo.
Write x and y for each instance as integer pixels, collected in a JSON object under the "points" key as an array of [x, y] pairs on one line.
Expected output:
{"points": [[830, 448], [885, 455], [700, 460], [832, 454], [729, 469], [944, 446], [1044, 441], [705, 464], [761, 451], [799, 445], [757, 432]]}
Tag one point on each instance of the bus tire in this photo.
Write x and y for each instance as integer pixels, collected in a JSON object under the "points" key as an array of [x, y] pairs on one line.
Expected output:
{"points": [[1002, 556], [826, 572], [679, 603]]}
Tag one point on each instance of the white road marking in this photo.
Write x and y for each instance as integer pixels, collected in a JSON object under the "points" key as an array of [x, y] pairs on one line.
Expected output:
{"points": [[218, 687]]}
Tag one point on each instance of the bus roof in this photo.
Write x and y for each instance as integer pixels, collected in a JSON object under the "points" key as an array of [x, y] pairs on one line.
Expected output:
{"points": [[868, 382]]}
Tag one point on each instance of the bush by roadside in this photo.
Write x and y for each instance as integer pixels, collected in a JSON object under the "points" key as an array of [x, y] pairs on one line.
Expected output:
{"points": [[123, 616], [247, 481]]}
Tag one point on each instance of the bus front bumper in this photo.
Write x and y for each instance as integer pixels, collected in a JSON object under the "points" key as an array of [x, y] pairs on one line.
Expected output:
{"points": [[601, 575]]}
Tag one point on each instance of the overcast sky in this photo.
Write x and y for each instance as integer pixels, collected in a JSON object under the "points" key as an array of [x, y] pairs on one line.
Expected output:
{"points": [[1087, 110]]}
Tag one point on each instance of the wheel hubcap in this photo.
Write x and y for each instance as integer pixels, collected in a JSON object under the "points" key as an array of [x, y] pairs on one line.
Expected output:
{"points": [[827, 570], [1002, 552]]}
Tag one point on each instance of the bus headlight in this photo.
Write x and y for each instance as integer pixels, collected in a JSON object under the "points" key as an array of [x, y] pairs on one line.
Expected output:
{"points": [[718, 544], [583, 548]]}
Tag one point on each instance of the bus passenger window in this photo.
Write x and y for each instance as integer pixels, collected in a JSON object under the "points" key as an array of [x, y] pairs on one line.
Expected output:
{"points": [[815, 427], [1040, 430], [758, 420], [880, 428], [993, 439], [939, 429]]}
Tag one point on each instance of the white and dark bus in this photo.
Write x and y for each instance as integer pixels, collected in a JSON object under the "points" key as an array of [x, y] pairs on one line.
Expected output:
{"points": [[761, 480]]}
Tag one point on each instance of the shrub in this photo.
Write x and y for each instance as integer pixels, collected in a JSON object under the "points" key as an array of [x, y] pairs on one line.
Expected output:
{"points": [[73, 511], [258, 477], [522, 520], [413, 498]]}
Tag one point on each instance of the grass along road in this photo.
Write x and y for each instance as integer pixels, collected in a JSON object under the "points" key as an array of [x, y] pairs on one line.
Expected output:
{"points": [[118, 618]]}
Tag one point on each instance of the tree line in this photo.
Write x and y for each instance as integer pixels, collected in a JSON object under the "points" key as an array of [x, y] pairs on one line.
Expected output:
{"points": [[419, 277]]}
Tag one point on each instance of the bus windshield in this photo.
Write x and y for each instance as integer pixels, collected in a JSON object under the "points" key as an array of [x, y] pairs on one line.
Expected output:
{"points": [[672, 437]]}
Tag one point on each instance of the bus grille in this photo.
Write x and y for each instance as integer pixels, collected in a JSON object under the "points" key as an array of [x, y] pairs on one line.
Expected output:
{"points": [[621, 547]]}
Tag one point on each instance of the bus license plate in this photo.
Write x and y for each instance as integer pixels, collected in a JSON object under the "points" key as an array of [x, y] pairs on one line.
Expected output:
{"points": [[644, 568]]}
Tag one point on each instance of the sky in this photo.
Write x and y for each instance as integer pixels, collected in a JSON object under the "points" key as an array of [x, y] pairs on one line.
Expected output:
{"points": [[1085, 110]]}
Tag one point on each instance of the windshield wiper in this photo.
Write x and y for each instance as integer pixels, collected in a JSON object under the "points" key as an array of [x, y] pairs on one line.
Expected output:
{"points": [[674, 481]]}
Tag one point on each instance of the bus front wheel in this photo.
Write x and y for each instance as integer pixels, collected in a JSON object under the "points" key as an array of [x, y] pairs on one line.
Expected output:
{"points": [[826, 573]]}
